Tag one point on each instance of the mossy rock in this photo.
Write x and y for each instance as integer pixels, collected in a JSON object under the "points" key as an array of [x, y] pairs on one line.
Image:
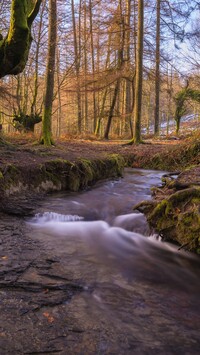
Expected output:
{"points": [[177, 218]]}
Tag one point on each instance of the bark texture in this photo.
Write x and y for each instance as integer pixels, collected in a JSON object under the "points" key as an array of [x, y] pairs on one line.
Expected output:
{"points": [[14, 48], [139, 74], [50, 69]]}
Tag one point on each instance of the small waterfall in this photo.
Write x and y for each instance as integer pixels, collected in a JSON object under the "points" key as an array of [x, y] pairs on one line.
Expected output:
{"points": [[53, 216]]}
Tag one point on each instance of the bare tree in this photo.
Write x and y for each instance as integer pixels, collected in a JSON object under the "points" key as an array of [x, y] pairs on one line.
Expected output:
{"points": [[139, 74], [157, 72], [120, 62], [50, 71], [77, 65]]}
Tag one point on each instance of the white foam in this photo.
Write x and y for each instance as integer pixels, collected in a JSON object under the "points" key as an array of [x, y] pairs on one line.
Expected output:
{"points": [[52, 216]]}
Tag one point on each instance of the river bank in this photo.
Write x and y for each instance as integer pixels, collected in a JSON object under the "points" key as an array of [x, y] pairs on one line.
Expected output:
{"points": [[46, 307], [90, 287], [28, 171]]}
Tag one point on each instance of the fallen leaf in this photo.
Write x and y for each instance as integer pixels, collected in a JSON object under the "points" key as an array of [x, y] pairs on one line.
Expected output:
{"points": [[49, 317]]}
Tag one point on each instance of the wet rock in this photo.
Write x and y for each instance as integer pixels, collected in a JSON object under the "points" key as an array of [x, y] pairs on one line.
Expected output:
{"points": [[21, 205], [188, 178]]}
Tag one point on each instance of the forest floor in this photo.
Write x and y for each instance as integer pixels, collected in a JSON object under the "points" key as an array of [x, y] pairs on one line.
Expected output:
{"points": [[24, 150]]}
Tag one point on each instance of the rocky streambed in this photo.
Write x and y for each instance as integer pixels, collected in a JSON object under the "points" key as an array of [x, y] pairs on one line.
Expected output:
{"points": [[175, 210], [125, 294], [28, 172]]}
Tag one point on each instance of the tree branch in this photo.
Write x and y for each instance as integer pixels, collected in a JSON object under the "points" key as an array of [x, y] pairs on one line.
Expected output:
{"points": [[34, 12]]}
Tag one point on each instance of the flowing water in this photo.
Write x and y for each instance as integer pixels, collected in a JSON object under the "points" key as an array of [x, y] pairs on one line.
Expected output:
{"points": [[141, 295]]}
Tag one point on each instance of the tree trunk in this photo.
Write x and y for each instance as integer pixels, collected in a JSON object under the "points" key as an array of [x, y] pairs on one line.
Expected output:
{"points": [[157, 73], [14, 48], [93, 64], [128, 103], [77, 67], [101, 114], [98, 123], [139, 74], [50, 69], [59, 109], [117, 85], [169, 90], [120, 61], [85, 70], [35, 90]]}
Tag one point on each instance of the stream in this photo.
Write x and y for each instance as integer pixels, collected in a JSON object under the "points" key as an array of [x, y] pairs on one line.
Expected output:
{"points": [[141, 295]]}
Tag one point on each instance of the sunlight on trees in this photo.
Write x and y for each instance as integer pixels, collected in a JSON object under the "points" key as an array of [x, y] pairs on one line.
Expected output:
{"points": [[50, 74], [96, 91], [181, 99]]}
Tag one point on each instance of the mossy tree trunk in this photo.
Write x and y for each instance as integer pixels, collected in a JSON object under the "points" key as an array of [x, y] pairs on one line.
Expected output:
{"points": [[180, 107], [137, 112], [14, 48], [50, 71]]}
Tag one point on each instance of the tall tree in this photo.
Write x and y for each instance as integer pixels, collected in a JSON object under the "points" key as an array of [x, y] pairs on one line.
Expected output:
{"points": [[128, 101], [157, 72], [50, 69], [93, 63], [120, 62], [36, 59], [139, 74], [15, 46], [85, 67], [77, 65]]}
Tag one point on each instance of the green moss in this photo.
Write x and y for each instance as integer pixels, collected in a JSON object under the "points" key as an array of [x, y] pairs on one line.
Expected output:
{"points": [[181, 98], [74, 181], [178, 218], [11, 169], [188, 229], [1, 175], [79, 175], [159, 210], [60, 174], [55, 170], [119, 162], [88, 169], [196, 201], [168, 209], [12, 174]]}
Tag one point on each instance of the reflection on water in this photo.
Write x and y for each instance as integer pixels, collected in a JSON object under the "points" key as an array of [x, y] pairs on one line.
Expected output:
{"points": [[135, 279]]}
